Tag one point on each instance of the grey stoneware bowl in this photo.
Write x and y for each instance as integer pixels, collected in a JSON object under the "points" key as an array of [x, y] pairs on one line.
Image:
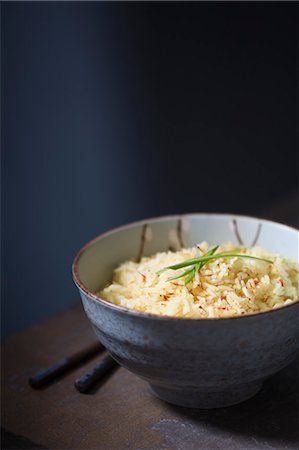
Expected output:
{"points": [[203, 363]]}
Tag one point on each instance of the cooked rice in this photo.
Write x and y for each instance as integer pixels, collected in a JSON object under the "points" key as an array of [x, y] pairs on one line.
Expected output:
{"points": [[222, 288]]}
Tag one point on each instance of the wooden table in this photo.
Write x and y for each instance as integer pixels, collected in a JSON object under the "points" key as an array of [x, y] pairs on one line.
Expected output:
{"points": [[122, 413]]}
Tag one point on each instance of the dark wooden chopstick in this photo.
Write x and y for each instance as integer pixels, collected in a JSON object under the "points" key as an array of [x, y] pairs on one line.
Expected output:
{"points": [[89, 379], [62, 366]]}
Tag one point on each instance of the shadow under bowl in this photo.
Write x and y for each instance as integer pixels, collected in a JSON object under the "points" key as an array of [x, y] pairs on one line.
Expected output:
{"points": [[203, 363]]}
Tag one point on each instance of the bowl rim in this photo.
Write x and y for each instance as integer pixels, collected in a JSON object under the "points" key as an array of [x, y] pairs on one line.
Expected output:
{"points": [[127, 311]]}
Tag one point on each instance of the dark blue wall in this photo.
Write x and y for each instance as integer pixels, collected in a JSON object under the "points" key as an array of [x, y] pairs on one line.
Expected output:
{"points": [[114, 112]]}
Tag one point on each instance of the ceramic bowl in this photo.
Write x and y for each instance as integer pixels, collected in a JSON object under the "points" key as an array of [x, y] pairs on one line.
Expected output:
{"points": [[202, 363]]}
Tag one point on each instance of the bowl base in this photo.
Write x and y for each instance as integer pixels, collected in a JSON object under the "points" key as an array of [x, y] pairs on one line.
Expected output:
{"points": [[194, 398]]}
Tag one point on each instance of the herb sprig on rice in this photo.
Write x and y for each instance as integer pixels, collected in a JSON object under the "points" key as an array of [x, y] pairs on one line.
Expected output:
{"points": [[195, 264]]}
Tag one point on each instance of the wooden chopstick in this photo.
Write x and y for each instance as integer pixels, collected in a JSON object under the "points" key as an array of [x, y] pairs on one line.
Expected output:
{"points": [[89, 379], [62, 366]]}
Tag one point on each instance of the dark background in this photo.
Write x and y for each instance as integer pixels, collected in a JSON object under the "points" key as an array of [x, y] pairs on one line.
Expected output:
{"points": [[113, 112]]}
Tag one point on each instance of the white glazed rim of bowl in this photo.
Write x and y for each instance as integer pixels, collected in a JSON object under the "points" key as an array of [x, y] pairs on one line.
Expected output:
{"points": [[81, 286]]}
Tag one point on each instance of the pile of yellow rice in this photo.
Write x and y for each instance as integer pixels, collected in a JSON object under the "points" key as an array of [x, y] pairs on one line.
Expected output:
{"points": [[222, 288]]}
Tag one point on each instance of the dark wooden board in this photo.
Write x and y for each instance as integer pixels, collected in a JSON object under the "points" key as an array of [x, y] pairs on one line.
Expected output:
{"points": [[122, 413]]}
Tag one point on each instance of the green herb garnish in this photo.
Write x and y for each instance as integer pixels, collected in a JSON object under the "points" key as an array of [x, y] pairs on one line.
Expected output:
{"points": [[195, 264]]}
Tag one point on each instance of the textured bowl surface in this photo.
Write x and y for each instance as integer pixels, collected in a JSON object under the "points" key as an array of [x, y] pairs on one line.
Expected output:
{"points": [[203, 363]]}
